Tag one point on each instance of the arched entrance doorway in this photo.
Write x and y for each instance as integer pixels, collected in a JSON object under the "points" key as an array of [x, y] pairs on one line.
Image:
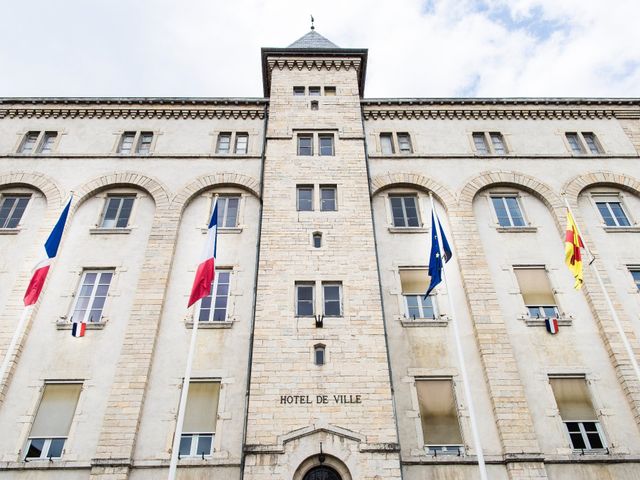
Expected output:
{"points": [[322, 473]]}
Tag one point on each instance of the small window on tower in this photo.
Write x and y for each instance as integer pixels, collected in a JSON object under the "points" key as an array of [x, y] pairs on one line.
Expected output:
{"points": [[318, 354], [330, 91], [298, 91], [314, 91], [317, 239], [314, 105]]}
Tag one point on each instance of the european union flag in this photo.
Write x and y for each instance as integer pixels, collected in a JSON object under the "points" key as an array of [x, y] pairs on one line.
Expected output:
{"points": [[435, 262]]}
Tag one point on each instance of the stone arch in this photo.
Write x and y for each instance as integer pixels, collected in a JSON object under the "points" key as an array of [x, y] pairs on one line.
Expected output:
{"points": [[334, 463], [153, 187], [39, 181], [205, 182], [389, 180], [576, 185]]}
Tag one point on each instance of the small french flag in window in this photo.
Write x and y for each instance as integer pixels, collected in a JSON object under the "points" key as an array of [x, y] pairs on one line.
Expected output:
{"points": [[552, 325]]}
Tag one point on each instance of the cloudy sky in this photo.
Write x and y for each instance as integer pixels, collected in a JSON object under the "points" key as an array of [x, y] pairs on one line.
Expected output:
{"points": [[428, 48]]}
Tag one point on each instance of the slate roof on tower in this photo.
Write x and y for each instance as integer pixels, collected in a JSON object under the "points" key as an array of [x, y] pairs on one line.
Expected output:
{"points": [[313, 40]]}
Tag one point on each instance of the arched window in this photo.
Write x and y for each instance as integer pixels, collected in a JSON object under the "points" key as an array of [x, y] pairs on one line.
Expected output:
{"points": [[318, 354], [322, 473], [317, 239]]}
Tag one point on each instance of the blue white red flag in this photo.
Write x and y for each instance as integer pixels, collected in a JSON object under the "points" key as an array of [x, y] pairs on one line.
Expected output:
{"points": [[206, 270], [552, 325], [42, 268], [435, 262]]}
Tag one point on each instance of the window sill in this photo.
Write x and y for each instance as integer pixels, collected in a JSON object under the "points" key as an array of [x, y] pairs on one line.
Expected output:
{"points": [[230, 230], [539, 322], [110, 231], [9, 231], [209, 325], [516, 229], [621, 229], [408, 230], [442, 321], [66, 325]]}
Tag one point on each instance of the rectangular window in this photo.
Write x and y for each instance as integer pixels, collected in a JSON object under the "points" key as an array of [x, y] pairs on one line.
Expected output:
{"points": [[326, 145], [536, 292], [508, 210], [612, 212], [29, 142], [574, 143], [242, 142], [332, 299], [330, 91], [404, 143], [386, 144], [305, 299], [47, 143], [414, 283], [216, 311], [298, 91], [439, 416], [228, 211], [592, 143], [498, 143], [480, 143], [405, 210], [91, 295], [144, 143], [577, 412], [11, 209], [328, 198], [635, 274], [117, 211], [52, 420], [223, 144], [126, 143], [200, 417], [305, 145], [304, 199], [314, 91]]}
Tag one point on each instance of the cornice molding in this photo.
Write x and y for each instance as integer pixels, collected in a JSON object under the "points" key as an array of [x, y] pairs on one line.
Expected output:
{"points": [[492, 114], [133, 113], [317, 63]]}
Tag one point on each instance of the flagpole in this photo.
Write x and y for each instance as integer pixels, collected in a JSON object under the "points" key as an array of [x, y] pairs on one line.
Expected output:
{"points": [[612, 309], [14, 340], [463, 370], [175, 449]]}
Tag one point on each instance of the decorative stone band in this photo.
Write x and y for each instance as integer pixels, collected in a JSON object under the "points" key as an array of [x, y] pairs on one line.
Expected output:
{"points": [[489, 113], [115, 112]]}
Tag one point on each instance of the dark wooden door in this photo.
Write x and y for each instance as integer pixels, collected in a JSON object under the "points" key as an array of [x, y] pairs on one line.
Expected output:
{"points": [[322, 473]]}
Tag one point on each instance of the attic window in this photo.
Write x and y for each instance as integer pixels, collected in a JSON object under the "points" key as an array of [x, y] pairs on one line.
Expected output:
{"points": [[314, 105]]}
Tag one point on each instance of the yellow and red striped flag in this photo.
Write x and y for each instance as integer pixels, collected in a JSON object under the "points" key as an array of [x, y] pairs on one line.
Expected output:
{"points": [[572, 245]]}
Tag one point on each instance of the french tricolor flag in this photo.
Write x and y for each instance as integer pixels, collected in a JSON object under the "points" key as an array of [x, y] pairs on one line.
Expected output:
{"points": [[206, 270], [42, 268], [552, 325]]}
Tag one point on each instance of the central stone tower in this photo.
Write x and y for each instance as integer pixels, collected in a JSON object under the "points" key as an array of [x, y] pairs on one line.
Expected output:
{"points": [[320, 394]]}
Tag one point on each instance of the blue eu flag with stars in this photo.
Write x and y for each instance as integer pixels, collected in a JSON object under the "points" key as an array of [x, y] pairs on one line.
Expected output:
{"points": [[435, 262]]}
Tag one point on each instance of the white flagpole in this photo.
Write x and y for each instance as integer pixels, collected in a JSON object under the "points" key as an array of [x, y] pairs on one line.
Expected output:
{"points": [[14, 340], [612, 309], [175, 449], [460, 354]]}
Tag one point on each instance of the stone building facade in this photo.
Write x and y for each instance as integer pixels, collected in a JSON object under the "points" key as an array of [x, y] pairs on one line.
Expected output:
{"points": [[319, 358]]}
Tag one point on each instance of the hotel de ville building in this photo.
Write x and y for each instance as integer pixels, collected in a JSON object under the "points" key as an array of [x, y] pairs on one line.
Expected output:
{"points": [[317, 355]]}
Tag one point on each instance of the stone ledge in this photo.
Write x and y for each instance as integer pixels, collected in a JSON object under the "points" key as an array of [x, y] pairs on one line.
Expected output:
{"points": [[9, 231], [221, 230], [209, 325], [441, 321], [408, 230], [529, 229], [65, 325], [109, 231], [539, 322], [621, 229]]}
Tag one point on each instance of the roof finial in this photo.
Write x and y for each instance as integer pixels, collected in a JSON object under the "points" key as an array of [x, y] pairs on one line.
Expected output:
{"points": [[312, 20]]}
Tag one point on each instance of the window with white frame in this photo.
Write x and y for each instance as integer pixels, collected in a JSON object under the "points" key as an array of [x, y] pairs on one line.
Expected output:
{"points": [[223, 144], [305, 299], [332, 299], [582, 143], [508, 211], [635, 275], [135, 142], [36, 142], [611, 210], [304, 198], [386, 143], [117, 211], [325, 141], [576, 410], [52, 421], [242, 143], [200, 418], [439, 416], [11, 209], [414, 283], [214, 307], [228, 208], [91, 295], [404, 210], [328, 198], [536, 291], [486, 143], [305, 144]]}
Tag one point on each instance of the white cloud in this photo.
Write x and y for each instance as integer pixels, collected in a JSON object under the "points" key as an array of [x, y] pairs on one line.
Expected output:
{"points": [[417, 48]]}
